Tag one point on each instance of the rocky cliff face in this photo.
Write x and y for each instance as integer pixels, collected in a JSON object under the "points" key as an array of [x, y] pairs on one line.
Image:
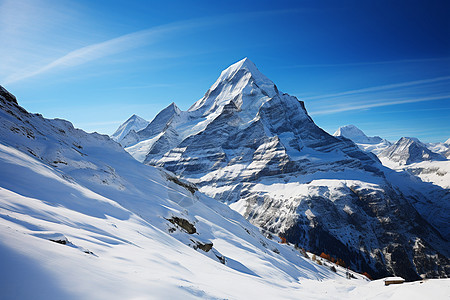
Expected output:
{"points": [[247, 144]]}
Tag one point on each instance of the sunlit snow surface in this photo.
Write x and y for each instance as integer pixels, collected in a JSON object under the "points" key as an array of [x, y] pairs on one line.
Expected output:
{"points": [[81, 219], [119, 247]]}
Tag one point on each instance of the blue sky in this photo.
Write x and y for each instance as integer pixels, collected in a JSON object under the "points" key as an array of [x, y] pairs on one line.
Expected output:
{"points": [[383, 66]]}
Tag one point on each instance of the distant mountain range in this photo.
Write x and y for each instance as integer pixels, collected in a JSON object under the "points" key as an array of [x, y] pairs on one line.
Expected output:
{"points": [[397, 152], [250, 146], [428, 161]]}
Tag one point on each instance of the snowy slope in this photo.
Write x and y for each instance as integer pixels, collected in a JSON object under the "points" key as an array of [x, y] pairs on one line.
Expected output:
{"points": [[255, 148], [81, 219], [373, 144], [134, 123], [441, 148]]}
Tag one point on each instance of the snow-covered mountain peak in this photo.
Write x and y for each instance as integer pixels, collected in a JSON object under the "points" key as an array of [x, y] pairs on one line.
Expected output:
{"points": [[408, 139], [447, 142], [408, 150], [241, 83], [161, 120], [134, 122], [351, 132], [173, 107], [256, 149], [243, 65], [373, 144]]}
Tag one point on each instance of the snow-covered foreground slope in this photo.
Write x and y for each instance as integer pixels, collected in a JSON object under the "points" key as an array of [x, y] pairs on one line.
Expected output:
{"points": [[81, 219], [126, 250], [249, 145]]}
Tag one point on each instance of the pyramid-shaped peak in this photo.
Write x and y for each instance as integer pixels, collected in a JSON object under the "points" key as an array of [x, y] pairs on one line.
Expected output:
{"points": [[409, 150], [134, 122], [172, 108], [244, 63], [135, 117], [407, 139], [173, 105], [241, 80], [244, 66]]}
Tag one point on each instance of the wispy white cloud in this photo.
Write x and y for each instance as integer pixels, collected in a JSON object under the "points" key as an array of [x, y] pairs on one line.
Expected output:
{"points": [[424, 90], [99, 50], [368, 63], [128, 42], [380, 88], [32, 32], [349, 107], [415, 110]]}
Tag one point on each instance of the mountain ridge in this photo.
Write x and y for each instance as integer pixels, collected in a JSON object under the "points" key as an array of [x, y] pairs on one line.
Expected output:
{"points": [[409, 150], [133, 123], [240, 141], [76, 208]]}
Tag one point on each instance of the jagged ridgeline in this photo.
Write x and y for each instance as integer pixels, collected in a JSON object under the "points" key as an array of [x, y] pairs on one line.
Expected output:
{"points": [[249, 145], [76, 208]]}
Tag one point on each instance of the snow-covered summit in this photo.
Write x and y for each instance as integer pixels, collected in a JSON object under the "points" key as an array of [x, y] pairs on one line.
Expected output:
{"points": [[356, 135], [409, 150], [255, 148], [135, 123], [161, 120], [241, 91], [240, 79], [249, 67], [372, 144]]}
